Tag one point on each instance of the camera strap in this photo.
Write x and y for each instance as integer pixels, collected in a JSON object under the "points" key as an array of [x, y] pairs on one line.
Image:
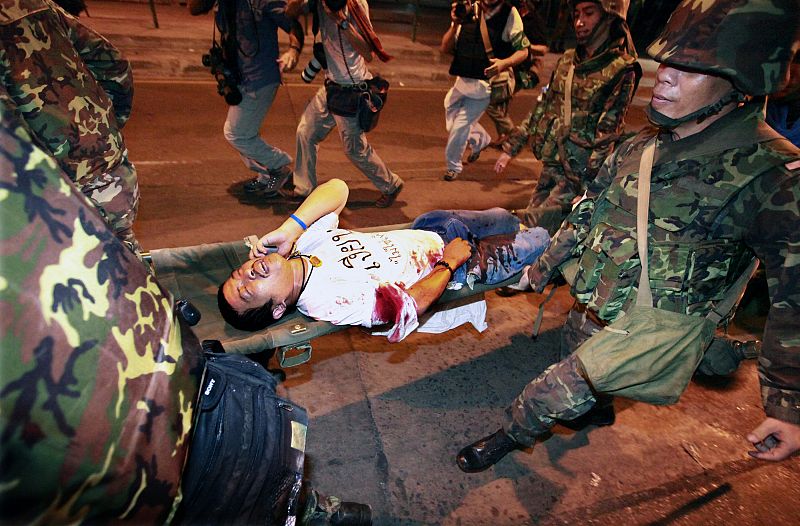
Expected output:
{"points": [[487, 43], [313, 5]]}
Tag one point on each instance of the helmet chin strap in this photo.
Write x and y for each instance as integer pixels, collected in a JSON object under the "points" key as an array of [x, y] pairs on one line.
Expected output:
{"points": [[668, 123], [594, 36]]}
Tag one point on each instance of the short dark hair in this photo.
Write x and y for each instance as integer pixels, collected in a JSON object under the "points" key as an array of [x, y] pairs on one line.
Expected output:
{"points": [[250, 320]]}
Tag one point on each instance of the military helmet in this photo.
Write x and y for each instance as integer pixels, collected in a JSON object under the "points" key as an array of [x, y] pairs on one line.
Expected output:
{"points": [[749, 42], [618, 8]]}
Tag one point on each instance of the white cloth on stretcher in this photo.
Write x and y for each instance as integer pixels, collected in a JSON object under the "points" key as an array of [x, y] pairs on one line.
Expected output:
{"points": [[448, 316]]}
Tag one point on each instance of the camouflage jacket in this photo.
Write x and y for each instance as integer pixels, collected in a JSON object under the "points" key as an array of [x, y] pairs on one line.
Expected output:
{"points": [[98, 380], [717, 198], [602, 90], [71, 86]]}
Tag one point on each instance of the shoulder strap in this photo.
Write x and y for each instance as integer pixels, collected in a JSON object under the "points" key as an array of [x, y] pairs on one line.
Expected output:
{"points": [[312, 7], [487, 44], [568, 98], [644, 295], [734, 294]]}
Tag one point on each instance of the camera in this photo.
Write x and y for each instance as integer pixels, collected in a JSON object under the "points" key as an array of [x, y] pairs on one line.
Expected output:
{"points": [[317, 62], [226, 80], [464, 10]]}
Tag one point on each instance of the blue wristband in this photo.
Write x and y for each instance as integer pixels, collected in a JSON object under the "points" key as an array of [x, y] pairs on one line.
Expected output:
{"points": [[299, 222]]}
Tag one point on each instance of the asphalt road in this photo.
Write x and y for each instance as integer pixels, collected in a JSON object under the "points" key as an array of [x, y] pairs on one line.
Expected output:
{"points": [[191, 178], [387, 419]]}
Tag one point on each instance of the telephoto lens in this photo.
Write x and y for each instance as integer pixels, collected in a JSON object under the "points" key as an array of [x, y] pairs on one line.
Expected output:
{"points": [[317, 63], [311, 70]]}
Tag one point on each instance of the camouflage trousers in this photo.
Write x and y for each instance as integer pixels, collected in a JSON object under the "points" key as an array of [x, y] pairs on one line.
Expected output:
{"points": [[562, 393], [498, 113], [551, 200], [115, 194], [559, 393]]}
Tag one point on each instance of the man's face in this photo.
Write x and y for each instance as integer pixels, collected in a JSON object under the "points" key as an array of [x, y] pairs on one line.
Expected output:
{"points": [[586, 17], [258, 281], [679, 92]]}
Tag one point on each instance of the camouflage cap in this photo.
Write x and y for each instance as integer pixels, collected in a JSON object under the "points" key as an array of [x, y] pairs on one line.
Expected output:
{"points": [[750, 42], [618, 8]]}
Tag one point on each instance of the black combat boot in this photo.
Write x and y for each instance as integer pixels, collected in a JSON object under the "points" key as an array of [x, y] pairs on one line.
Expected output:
{"points": [[486, 452], [352, 514], [332, 511]]}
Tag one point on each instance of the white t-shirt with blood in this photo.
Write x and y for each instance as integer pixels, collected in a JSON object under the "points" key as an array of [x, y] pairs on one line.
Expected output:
{"points": [[363, 278]]}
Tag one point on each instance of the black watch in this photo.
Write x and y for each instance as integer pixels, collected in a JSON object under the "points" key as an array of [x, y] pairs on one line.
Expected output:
{"points": [[344, 24]]}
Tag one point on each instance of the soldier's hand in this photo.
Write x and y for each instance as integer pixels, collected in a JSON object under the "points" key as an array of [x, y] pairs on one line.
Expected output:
{"points": [[502, 162], [774, 439], [457, 252]]}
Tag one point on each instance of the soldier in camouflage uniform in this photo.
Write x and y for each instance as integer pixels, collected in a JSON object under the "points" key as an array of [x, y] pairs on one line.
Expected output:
{"points": [[98, 379], [725, 187], [572, 138], [74, 90]]}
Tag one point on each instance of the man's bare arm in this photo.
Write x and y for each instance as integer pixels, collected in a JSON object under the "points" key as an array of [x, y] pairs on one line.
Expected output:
{"points": [[426, 291], [448, 44], [326, 198]]}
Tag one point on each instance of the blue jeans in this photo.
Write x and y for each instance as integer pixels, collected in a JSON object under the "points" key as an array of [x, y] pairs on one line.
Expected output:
{"points": [[242, 130], [494, 259]]}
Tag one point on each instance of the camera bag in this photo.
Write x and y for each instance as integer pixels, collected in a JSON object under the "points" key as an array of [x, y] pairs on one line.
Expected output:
{"points": [[342, 100], [363, 100], [502, 84], [371, 102], [245, 463]]}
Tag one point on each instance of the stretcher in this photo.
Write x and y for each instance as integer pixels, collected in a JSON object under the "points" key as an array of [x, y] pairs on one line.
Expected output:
{"points": [[194, 274]]}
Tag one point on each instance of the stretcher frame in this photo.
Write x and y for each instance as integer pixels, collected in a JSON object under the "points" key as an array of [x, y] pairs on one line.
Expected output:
{"points": [[194, 274]]}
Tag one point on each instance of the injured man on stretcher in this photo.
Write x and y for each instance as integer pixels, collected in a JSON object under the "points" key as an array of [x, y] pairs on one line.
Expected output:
{"points": [[379, 280]]}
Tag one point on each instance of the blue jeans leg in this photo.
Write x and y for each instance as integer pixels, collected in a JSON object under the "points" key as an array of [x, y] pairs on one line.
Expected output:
{"points": [[242, 130], [503, 256], [470, 225]]}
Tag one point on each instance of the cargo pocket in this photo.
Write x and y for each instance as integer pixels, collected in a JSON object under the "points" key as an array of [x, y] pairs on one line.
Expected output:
{"points": [[669, 263], [709, 276], [607, 270]]}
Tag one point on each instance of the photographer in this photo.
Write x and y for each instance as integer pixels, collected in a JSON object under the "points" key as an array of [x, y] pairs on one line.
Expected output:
{"points": [[475, 62], [348, 42], [248, 68], [527, 74]]}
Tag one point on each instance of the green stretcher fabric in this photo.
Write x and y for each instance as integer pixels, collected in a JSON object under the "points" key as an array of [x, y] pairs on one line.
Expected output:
{"points": [[194, 274]]}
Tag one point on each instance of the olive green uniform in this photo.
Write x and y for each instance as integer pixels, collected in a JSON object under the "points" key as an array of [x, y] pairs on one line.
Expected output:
{"points": [[717, 198], [602, 90]]}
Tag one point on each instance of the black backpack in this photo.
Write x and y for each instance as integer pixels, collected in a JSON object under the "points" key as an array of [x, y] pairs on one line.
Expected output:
{"points": [[245, 463]]}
